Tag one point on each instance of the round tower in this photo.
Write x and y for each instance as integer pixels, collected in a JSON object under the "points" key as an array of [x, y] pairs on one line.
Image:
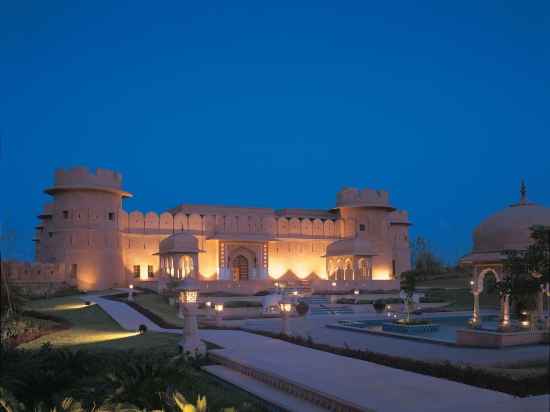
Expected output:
{"points": [[366, 215], [82, 226]]}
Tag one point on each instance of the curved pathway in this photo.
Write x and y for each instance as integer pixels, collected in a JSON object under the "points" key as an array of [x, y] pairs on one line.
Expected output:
{"points": [[366, 384]]}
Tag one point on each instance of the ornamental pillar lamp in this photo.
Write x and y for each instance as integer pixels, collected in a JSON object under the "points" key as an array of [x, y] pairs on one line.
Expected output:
{"points": [[191, 345], [130, 293], [285, 306], [218, 308]]}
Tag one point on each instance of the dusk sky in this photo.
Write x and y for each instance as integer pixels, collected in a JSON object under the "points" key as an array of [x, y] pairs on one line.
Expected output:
{"points": [[446, 105]]}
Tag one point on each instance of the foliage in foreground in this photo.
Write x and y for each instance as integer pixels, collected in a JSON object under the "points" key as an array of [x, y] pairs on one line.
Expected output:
{"points": [[527, 271], [53, 379]]}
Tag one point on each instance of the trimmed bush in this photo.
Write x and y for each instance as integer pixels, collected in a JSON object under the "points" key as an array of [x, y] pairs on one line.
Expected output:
{"points": [[302, 308], [242, 304], [379, 305]]}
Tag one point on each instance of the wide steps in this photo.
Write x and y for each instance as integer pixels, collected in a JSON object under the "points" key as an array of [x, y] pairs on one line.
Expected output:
{"points": [[324, 310], [273, 396], [298, 390]]}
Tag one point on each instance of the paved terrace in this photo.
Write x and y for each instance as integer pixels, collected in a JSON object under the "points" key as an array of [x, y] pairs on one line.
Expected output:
{"points": [[315, 326], [366, 384]]}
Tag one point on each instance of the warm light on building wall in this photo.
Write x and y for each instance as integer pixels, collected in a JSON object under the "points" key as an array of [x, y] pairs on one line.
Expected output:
{"points": [[218, 307], [381, 274]]}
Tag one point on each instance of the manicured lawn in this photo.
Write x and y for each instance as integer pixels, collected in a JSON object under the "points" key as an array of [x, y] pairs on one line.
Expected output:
{"points": [[454, 282], [93, 329], [462, 299], [158, 305]]}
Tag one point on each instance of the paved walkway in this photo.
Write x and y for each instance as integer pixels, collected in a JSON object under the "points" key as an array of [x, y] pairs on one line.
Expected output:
{"points": [[364, 383], [315, 326]]}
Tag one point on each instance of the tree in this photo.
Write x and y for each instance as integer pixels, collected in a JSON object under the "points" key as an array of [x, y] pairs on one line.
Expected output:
{"points": [[408, 286], [525, 271], [423, 259]]}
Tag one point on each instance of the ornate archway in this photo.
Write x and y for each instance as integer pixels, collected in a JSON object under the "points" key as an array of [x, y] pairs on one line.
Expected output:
{"points": [[239, 268]]}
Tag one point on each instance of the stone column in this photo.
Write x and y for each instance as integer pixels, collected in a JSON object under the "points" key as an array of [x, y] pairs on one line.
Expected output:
{"points": [[505, 312], [195, 266], [476, 319], [191, 344], [285, 329]]}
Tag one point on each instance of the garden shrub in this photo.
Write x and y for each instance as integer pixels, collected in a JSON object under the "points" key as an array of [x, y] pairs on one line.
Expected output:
{"points": [[346, 301], [302, 308], [379, 305], [242, 304]]}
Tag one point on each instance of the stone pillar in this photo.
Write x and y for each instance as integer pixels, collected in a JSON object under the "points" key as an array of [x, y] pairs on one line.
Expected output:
{"points": [[195, 266], [476, 319], [285, 329], [505, 312], [191, 344], [180, 310]]}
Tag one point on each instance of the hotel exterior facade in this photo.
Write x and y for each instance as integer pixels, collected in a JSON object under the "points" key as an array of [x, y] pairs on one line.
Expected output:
{"points": [[86, 236]]}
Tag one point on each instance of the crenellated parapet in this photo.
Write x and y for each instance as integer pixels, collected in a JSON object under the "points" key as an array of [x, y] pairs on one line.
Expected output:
{"points": [[352, 197], [80, 178], [211, 224], [399, 217]]}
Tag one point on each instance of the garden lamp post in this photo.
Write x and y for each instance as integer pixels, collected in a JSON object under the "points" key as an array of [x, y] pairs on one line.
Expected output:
{"points": [[475, 321], [286, 307], [191, 345], [218, 308], [180, 307], [131, 293], [208, 305]]}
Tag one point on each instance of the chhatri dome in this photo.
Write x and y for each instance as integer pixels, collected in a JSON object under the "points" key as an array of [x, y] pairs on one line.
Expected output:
{"points": [[181, 242], [508, 229]]}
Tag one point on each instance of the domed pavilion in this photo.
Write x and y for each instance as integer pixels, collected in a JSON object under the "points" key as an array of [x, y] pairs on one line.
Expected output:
{"points": [[178, 255], [508, 229]]}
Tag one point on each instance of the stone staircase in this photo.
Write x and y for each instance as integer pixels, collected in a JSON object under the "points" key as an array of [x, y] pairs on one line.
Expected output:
{"points": [[277, 390], [316, 300], [324, 310]]}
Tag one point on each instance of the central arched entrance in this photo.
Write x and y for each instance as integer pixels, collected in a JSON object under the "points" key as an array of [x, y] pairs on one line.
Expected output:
{"points": [[239, 268]]}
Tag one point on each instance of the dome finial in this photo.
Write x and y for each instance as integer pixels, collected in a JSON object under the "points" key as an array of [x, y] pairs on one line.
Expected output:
{"points": [[523, 193]]}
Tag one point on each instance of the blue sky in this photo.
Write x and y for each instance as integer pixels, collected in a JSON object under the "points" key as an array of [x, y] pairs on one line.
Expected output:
{"points": [[280, 104]]}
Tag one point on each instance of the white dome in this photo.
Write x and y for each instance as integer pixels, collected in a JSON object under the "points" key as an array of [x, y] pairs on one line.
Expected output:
{"points": [[351, 247], [509, 229], [181, 242]]}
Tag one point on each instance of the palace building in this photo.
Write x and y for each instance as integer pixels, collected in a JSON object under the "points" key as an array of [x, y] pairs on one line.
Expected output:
{"points": [[86, 234]]}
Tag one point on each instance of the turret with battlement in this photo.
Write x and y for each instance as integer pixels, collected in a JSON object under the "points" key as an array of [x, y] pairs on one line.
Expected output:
{"points": [[80, 227]]}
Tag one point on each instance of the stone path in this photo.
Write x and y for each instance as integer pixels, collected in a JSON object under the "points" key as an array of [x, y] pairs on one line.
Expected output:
{"points": [[366, 384], [315, 326]]}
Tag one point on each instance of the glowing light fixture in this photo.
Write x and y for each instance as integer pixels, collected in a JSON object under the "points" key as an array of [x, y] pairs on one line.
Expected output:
{"points": [[218, 307], [333, 284], [356, 292]]}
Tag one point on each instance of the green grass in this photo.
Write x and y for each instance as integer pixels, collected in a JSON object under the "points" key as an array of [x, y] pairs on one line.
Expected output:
{"points": [[158, 305], [462, 299], [451, 282], [93, 329]]}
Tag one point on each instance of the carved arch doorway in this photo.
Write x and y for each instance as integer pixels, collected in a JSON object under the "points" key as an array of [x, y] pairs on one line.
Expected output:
{"points": [[239, 268]]}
